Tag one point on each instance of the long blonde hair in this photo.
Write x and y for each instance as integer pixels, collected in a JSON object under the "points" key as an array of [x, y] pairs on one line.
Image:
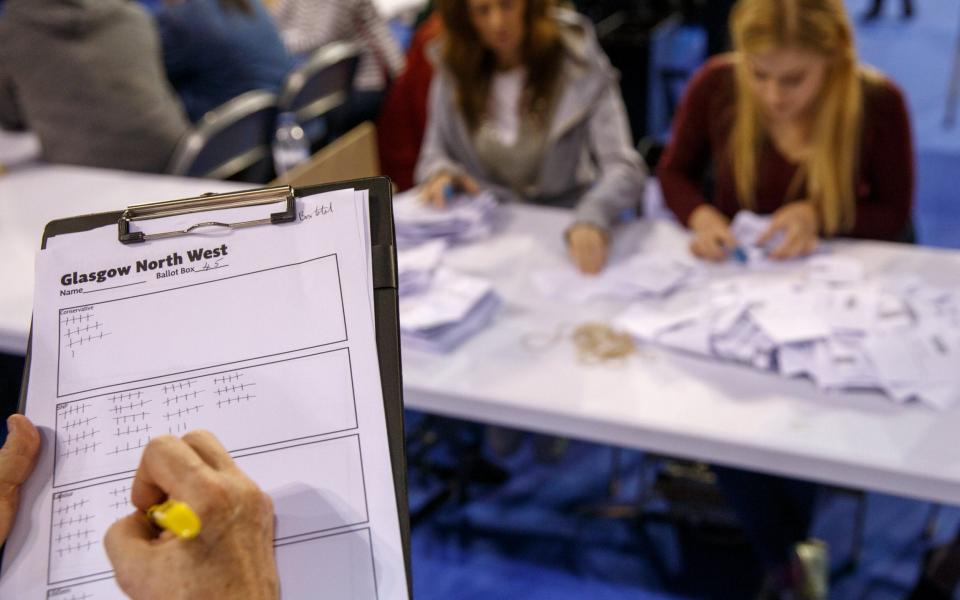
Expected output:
{"points": [[821, 26]]}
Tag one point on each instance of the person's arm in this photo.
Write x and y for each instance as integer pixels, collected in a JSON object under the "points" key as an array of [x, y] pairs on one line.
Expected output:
{"points": [[884, 215], [622, 173], [17, 459], [232, 557], [436, 170], [685, 159]]}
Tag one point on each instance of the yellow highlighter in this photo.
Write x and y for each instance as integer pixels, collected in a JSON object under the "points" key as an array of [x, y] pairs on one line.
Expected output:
{"points": [[176, 517]]}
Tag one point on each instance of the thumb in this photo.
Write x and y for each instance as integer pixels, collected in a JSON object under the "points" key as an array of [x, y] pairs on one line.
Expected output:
{"points": [[19, 452], [17, 459]]}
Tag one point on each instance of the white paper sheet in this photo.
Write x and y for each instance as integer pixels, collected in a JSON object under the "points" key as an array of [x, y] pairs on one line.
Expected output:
{"points": [[264, 336]]}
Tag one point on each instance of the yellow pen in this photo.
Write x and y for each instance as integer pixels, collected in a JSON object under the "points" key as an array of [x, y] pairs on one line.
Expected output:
{"points": [[176, 517]]}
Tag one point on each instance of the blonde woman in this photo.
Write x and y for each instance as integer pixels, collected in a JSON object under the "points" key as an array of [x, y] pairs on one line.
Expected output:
{"points": [[790, 124]]}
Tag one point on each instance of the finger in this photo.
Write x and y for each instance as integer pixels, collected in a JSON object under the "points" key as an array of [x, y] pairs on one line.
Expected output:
{"points": [[469, 184], [19, 453], [707, 249], [168, 467], [811, 246], [128, 545], [727, 239], [209, 448], [435, 194], [791, 245], [588, 258]]}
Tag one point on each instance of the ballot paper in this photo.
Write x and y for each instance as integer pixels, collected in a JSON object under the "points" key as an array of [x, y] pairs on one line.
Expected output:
{"points": [[464, 218], [264, 336], [748, 227], [830, 324], [638, 277], [415, 266], [451, 310]]}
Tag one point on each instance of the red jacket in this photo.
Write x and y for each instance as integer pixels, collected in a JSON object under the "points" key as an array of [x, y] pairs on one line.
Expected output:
{"points": [[403, 117]]}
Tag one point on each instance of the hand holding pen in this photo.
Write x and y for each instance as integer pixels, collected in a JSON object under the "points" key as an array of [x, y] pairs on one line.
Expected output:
{"points": [[216, 539]]}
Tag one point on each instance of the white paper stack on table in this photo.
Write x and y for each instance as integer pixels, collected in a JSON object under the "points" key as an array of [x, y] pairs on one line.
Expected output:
{"points": [[832, 325], [464, 218], [452, 309], [639, 277], [415, 266], [440, 308]]}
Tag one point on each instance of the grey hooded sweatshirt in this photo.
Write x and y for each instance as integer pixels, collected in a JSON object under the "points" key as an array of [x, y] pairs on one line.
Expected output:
{"points": [[87, 77], [589, 161]]}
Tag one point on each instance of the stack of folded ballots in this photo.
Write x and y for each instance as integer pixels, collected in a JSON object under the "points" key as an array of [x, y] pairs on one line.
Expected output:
{"points": [[833, 326], [440, 308], [463, 218], [639, 277]]}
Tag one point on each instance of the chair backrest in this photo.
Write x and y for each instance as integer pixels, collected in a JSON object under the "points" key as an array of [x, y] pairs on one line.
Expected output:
{"points": [[353, 155], [231, 141], [322, 83]]}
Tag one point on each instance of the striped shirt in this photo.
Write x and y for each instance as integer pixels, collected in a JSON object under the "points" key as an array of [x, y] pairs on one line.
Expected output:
{"points": [[307, 25]]}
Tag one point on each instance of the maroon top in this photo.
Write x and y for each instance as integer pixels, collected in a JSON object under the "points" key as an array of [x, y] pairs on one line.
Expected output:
{"points": [[702, 128]]}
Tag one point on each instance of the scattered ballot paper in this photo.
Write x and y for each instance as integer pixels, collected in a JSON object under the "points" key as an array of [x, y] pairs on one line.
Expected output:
{"points": [[452, 309], [415, 266], [464, 218], [638, 277], [834, 326]]}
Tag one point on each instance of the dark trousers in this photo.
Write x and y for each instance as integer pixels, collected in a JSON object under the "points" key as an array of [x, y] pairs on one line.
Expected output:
{"points": [[775, 512]]}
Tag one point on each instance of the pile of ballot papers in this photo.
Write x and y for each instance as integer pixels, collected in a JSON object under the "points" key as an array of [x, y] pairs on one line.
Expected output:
{"points": [[830, 324], [439, 307], [463, 218], [639, 277]]}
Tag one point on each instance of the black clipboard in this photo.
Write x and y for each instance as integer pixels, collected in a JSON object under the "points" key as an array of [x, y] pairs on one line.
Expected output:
{"points": [[385, 297]]}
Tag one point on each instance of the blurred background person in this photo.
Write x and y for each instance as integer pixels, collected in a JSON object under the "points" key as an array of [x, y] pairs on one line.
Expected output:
{"points": [[403, 117], [525, 103], [86, 76], [215, 50], [308, 25], [791, 125]]}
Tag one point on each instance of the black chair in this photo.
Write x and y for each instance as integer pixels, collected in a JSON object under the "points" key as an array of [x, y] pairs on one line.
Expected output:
{"points": [[320, 85], [231, 141]]}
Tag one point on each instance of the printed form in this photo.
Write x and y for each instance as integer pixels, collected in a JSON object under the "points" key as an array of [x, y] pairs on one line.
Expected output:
{"points": [[264, 336]]}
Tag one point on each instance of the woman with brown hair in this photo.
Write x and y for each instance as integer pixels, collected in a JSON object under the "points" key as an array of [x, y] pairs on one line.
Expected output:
{"points": [[526, 104], [788, 124]]}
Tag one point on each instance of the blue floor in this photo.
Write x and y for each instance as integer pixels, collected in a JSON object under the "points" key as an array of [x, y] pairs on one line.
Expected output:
{"points": [[529, 538]]}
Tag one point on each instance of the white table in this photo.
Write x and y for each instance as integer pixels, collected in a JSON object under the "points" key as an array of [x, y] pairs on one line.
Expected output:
{"points": [[32, 196], [680, 405], [658, 400]]}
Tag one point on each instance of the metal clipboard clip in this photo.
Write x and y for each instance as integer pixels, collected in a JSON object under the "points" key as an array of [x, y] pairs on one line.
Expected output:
{"points": [[204, 203]]}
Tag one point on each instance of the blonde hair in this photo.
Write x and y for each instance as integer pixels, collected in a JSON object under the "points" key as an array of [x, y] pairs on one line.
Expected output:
{"points": [[821, 26]]}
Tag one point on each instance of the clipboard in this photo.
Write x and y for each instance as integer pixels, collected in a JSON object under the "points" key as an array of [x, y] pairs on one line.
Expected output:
{"points": [[385, 295]]}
